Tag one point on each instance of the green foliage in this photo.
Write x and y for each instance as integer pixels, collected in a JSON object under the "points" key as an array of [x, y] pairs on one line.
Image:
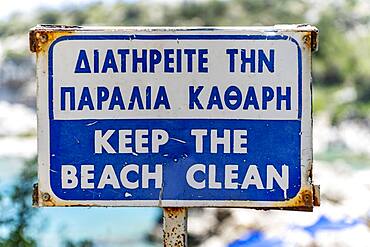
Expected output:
{"points": [[17, 57], [353, 110], [323, 98], [342, 57], [19, 239], [266, 12], [48, 16], [335, 59], [18, 218]]}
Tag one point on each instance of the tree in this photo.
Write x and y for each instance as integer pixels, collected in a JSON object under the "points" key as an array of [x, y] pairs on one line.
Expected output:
{"points": [[19, 215]]}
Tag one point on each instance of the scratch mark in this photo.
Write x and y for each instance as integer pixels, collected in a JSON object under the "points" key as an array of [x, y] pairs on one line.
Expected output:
{"points": [[160, 195], [128, 194], [89, 124], [178, 140], [78, 141]]}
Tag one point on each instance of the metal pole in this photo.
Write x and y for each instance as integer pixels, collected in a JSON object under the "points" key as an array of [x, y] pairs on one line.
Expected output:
{"points": [[175, 227]]}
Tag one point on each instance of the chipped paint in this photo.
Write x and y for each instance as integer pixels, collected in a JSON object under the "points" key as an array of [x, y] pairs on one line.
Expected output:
{"points": [[127, 194]]}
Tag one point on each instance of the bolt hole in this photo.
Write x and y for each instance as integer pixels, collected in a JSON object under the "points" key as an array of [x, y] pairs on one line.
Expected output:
{"points": [[44, 38], [45, 197], [306, 198]]}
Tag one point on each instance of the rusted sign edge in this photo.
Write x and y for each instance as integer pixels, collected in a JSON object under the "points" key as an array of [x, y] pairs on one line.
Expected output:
{"points": [[40, 37], [279, 27], [305, 200], [42, 34], [311, 40]]}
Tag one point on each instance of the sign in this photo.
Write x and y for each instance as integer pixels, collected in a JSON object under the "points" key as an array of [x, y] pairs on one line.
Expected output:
{"points": [[175, 117]]}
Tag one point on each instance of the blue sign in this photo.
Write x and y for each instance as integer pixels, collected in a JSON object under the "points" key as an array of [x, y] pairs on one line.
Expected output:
{"points": [[187, 118]]}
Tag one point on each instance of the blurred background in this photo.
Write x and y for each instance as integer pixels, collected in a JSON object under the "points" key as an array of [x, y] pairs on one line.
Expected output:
{"points": [[341, 93]]}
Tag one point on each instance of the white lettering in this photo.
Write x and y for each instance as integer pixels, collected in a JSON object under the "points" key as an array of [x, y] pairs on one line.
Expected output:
{"points": [[101, 141], [124, 139], [224, 141], [124, 176], [199, 134], [86, 176], [69, 178], [108, 177], [273, 175], [213, 184], [156, 176], [190, 176], [230, 176], [159, 138], [252, 177], [240, 139], [140, 140]]}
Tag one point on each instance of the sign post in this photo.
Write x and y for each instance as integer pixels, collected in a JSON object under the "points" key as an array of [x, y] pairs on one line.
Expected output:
{"points": [[175, 227], [175, 118]]}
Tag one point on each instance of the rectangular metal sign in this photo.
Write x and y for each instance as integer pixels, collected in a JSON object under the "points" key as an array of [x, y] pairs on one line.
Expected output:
{"points": [[175, 117]]}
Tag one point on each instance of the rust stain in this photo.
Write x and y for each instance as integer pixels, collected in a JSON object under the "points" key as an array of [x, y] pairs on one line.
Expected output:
{"points": [[316, 195], [45, 199], [45, 196], [315, 40], [35, 195], [310, 39], [40, 40], [174, 212], [174, 227], [303, 201], [42, 36], [309, 169]]}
